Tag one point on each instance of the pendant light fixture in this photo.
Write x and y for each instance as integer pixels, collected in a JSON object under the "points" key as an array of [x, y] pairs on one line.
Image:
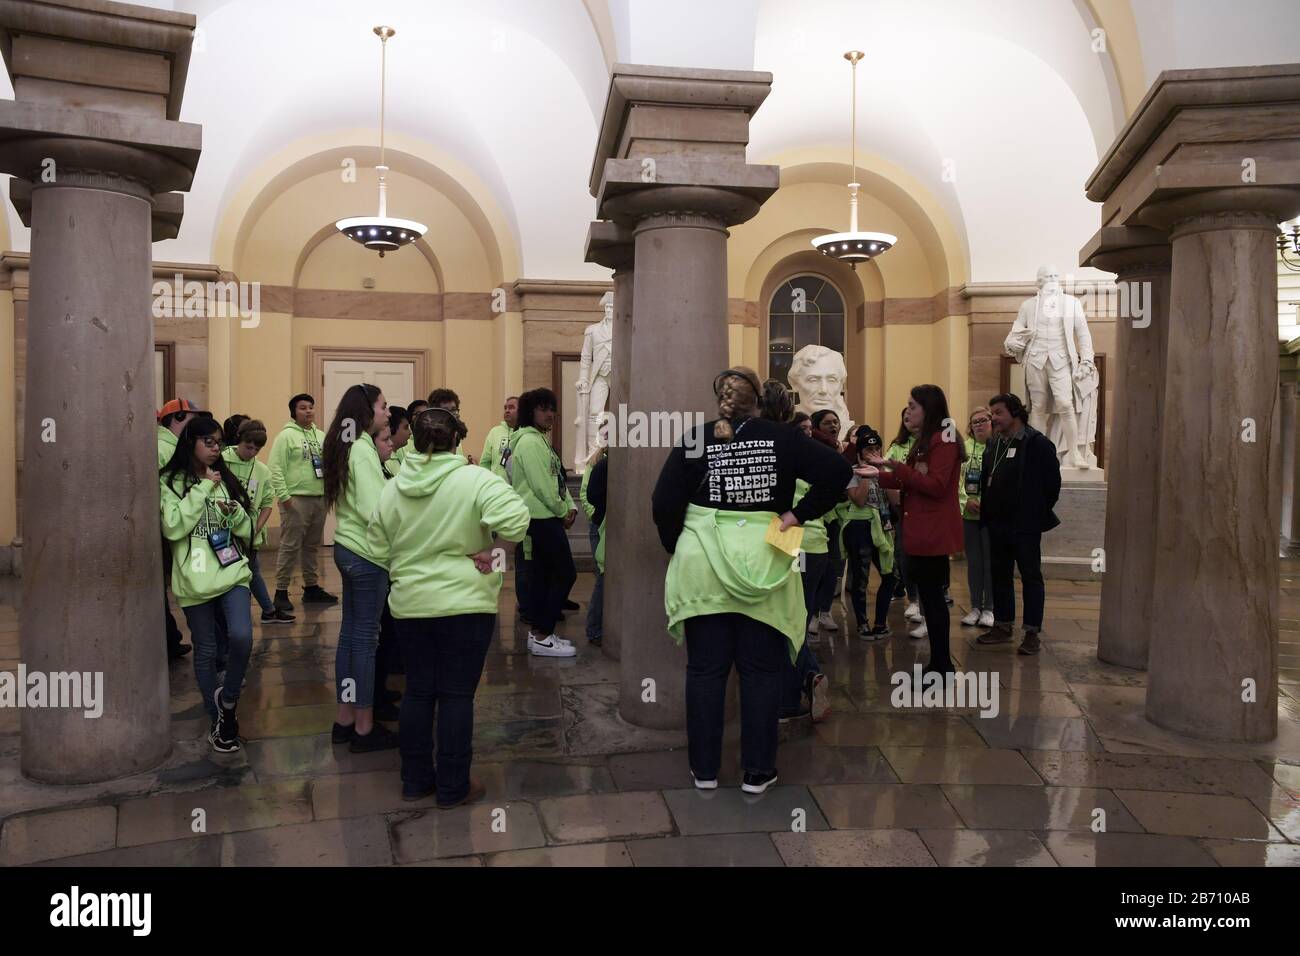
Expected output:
{"points": [[854, 246], [380, 232]]}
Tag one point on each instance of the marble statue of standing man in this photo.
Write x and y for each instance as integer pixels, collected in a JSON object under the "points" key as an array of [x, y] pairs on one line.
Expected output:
{"points": [[1050, 339], [593, 381]]}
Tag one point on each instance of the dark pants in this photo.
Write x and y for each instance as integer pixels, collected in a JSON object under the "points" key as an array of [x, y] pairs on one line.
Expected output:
{"points": [[522, 591], [174, 636], [550, 576], [830, 584], [385, 653], [902, 566], [930, 572], [202, 619], [862, 553], [818, 582], [444, 661], [714, 642], [596, 609], [1008, 549]]}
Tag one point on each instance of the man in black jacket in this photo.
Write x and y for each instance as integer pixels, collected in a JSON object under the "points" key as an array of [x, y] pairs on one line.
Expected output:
{"points": [[1020, 482]]}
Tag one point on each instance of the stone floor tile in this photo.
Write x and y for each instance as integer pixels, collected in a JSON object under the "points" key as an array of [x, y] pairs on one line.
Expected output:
{"points": [[986, 848], [1125, 849], [1018, 732], [361, 794], [583, 854], [485, 827], [1253, 853], [304, 721], [960, 765], [1282, 808], [1288, 775], [171, 816], [605, 816], [593, 725], [266, 696], [510, 739], [991, 807], [1238, 778], [898, 730], [534, 780], [722, 849], [360, 841], [731, 810], [455, 861], [1198, 815], [317, 756], [885, 806], [667, 770], [812, 762], [887, 848], [196, 851], [31, 837]]}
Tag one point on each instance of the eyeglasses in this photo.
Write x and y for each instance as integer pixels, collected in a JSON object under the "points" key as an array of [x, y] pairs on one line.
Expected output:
{"points": [[211, 442], [981, 421]]}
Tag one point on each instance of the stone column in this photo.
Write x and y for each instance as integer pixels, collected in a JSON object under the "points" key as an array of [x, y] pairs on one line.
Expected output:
{"points": [[1214, 621], [612, 246], [670, 171], [92, 582], [1140, 258]]}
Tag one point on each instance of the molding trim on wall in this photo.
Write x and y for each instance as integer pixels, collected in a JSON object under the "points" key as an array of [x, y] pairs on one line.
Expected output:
{"points": [[318, 355]]}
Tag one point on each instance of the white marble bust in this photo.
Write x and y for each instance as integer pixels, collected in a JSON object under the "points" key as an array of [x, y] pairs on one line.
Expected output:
{"points": [[1050, 339], [818, 374]]}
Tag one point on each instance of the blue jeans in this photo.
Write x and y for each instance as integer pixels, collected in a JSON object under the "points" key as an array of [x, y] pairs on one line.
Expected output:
{"points": [[202, 619], [979, 565], [365, 588], [257, 585], [596, 609], [444, 661], [714, 642]]}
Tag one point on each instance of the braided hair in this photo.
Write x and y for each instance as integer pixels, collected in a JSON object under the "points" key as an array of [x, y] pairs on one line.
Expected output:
{"points": [[738, 393]]}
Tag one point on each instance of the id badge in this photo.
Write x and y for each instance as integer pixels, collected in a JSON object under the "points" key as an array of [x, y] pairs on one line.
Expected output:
{"points": [[224, 547], [1011, 453], [316, 465]]}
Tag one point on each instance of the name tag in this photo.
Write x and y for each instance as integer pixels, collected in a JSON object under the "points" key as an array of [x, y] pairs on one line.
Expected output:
{"points": [[1011, 453], [252, 486], [316, 464], [223, 546]]}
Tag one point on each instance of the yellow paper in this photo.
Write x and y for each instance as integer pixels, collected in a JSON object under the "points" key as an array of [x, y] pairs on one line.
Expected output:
{"points": [[788, 540]]}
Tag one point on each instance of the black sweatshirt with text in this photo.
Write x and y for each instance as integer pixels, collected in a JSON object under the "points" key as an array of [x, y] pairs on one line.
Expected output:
{"points": [[755, 471]]}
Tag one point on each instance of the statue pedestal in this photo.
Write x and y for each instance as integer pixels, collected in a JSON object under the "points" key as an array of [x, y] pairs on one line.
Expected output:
{"points": [[1068, 549]]}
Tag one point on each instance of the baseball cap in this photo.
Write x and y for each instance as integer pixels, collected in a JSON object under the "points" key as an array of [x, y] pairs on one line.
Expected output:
{"points": [[179, 405]]}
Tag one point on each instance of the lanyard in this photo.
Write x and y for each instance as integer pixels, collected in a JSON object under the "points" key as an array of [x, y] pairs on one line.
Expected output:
{"points": [[997, 459]]}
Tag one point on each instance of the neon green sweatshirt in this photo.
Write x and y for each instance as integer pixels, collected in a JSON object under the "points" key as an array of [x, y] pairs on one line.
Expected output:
{"points": [[535, 471], [815, 540], [188, 517], [974, 459], [255, 476], [357, 503], [430, 518], [166, 446], [292, 469], [497, 441]]}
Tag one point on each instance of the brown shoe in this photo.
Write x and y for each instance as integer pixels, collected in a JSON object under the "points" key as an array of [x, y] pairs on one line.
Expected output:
{"points": [[997, 634], [476, 793], [1031, 644]]}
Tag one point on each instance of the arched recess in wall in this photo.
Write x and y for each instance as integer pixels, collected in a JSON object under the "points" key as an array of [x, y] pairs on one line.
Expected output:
{"points": [[420, 161], [330, 233]]}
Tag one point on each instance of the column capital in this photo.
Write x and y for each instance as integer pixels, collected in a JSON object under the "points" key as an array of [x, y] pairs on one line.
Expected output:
{"points": [[1234, 207], [611, 245], [706, 206], [1128, 251]]}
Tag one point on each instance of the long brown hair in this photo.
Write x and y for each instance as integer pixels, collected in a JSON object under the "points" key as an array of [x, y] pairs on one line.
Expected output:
{"points": [[937, 421], [357, 406], [738, 394]]}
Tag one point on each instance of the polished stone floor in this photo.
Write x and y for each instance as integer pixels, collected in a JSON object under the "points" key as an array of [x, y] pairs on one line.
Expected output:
{"points": [[570, 784]]}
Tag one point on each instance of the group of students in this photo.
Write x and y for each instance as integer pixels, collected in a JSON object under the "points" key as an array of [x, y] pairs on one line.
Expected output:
{"points": [[414, 546], [737, 600]]}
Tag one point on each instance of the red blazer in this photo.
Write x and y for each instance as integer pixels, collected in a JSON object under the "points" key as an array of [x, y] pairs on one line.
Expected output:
{"points": [[931, 518]]}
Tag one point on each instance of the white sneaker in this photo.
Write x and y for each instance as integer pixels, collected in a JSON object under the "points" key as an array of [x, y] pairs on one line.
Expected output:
{"points": [[812, 627], [827, 622], [913, 612], [550, 647], [704, 784], [971, 619], [986, 619], [555, 637], [919, 632]]}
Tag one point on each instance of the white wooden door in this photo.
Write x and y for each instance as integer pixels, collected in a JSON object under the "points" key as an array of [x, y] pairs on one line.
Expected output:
{"points": [[395, 379]]}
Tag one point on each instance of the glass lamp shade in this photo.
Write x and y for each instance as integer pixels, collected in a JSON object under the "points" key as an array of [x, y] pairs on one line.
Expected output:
{"points": [[381, 234], [854, 247]]}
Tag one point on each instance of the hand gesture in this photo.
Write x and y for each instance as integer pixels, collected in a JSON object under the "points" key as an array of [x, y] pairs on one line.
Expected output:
{"points": [[867, 471], [570, 518], [213, 476], [788, 520], [483, 561]]}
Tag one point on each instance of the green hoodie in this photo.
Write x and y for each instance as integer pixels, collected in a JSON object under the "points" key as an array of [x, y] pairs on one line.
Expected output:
{"points": [[187, 519], [430, 518], [535, 471], [357, 503], [166, 446], [497, 441], [255, 476], [815, 540], [292, 471], [974, 458]]}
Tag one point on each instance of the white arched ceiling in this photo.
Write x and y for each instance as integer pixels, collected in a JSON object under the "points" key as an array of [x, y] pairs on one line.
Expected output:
{"points": [[1193, 34]]}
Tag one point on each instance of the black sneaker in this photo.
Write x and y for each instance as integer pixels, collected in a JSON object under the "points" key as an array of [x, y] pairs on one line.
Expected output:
{"points": [[1032, 644], [177, 651], [879, 632], [276, 616], [386, 710], [341, 734], [757, 782], [318, 595], [571, 605], [379, 738], [282, 601], [803, 711], [225, 729], [594, 641], [412, 794], [997, 634]]}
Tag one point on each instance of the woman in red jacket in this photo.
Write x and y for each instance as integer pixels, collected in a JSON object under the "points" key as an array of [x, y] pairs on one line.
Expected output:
{"points": [[932, 528]]}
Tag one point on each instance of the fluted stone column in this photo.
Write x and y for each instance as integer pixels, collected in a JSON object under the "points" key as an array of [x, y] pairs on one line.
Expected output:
{"points": [[88, 186], [1140, 258], [670, 172], [1213, 656]]}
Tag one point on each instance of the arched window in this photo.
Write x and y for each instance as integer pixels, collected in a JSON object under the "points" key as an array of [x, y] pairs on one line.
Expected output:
{"points": [[806, 310]]}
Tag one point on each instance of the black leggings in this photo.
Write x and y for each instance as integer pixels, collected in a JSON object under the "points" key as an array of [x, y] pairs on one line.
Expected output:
{"points": [[930, 573], [551, 574]]}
